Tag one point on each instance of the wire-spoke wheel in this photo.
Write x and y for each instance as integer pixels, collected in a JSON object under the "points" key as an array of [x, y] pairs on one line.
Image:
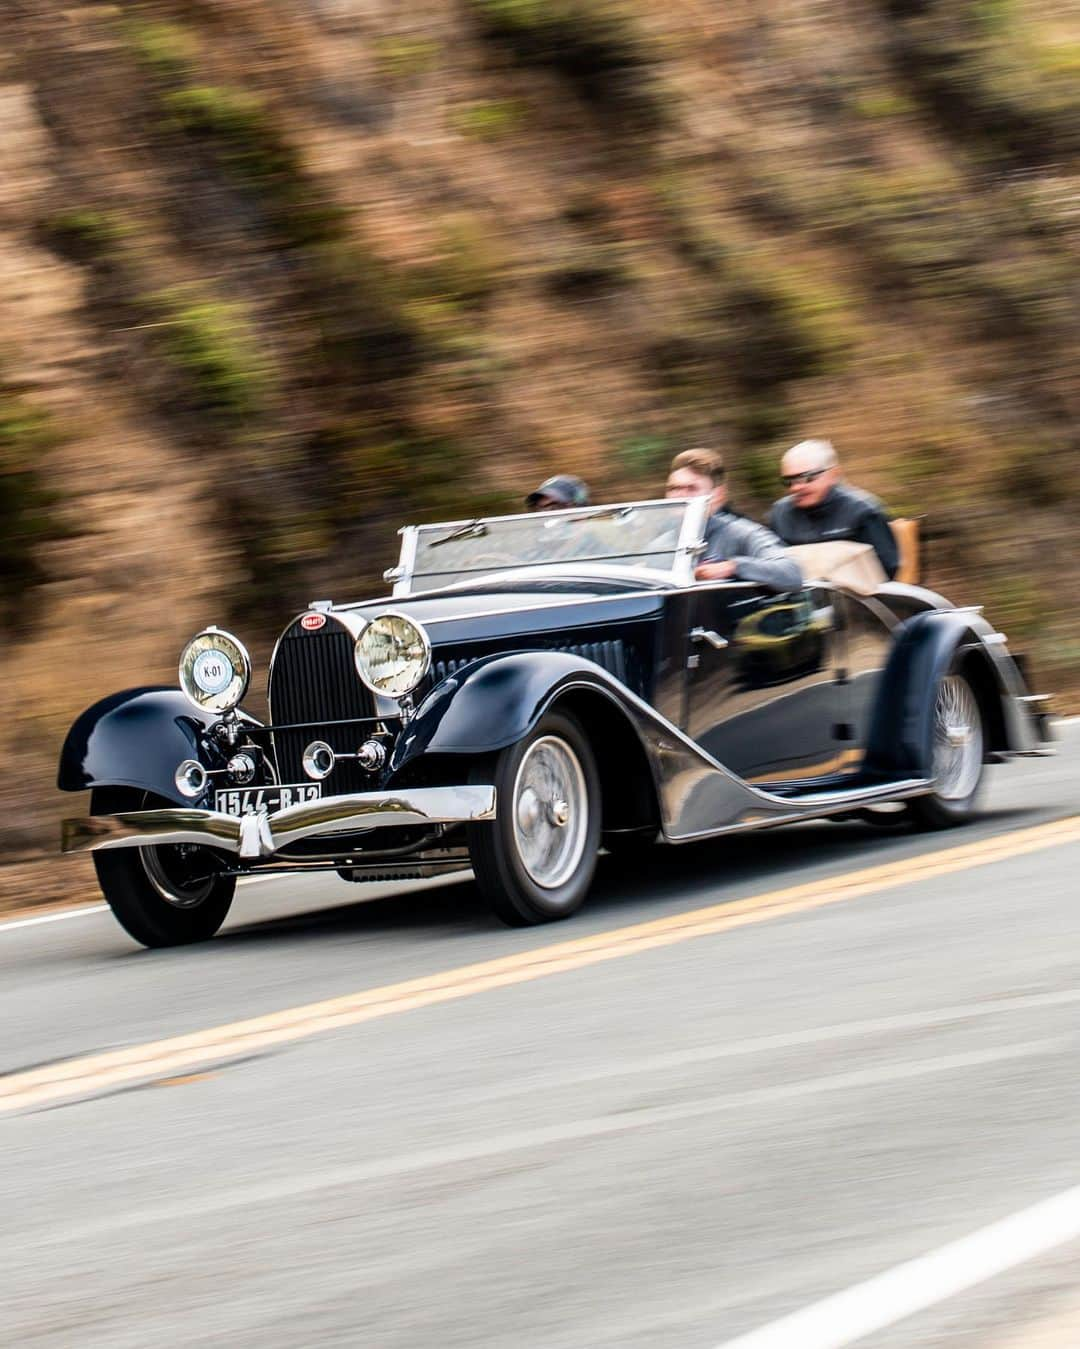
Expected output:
{"points": [[957, 752], [169, 895], [535, 861]]}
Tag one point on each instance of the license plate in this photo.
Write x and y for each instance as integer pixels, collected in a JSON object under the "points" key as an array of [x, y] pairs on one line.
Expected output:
{"points": [[249, 800]]}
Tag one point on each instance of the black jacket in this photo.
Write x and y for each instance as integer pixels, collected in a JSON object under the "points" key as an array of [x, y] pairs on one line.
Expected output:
{"points": [[846, 513], [757, 553]]}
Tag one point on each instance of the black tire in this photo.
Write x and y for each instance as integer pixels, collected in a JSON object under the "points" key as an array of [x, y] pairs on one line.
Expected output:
{"points": [[508, 855], [135, 881], [958, 762]]}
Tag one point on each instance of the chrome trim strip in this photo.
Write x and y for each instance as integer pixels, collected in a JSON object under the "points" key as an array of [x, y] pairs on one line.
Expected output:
{"points": [[816, 804], [566, 600], [263, 834]]}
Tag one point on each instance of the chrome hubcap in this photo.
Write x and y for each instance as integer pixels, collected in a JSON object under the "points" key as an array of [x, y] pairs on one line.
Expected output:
{"points": [[958, 739], [551, 812]]}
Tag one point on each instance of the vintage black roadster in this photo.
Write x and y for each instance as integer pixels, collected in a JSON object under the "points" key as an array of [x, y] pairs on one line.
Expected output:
{"points": [[537, 687]]}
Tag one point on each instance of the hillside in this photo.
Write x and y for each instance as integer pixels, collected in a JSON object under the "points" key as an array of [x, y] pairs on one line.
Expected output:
{"points": [[278, 275]]}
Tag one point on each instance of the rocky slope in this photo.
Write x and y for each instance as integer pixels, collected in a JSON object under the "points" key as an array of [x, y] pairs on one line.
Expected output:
{"points": [[278, 274]]}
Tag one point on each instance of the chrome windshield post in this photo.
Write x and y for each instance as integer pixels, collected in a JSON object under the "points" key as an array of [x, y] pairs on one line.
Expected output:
{"points": [[691, 543]]}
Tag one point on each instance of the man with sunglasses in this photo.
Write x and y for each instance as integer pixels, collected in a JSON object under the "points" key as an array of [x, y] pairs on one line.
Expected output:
{"points": [[820, 509]]}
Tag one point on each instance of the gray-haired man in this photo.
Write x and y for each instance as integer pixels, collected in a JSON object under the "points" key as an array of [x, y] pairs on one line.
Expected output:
{"points": [[819, 508]]}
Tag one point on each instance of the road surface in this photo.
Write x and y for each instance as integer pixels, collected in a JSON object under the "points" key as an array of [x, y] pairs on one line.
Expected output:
{"points": [[753, 1081]]}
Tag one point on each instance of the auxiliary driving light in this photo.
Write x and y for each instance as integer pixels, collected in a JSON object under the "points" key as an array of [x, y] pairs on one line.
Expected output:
{"points": [[215, 670]]}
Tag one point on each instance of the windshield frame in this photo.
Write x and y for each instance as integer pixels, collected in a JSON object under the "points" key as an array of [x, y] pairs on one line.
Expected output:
{"points": [[688, 545]]}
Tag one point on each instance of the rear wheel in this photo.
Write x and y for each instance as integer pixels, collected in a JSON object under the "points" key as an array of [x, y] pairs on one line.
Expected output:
{"points": [[170, 895], [535, 861], [957, 751]]}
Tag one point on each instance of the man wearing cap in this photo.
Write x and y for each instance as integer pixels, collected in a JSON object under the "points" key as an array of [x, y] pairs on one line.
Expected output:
{"points": [[735, 548], [820, 509], [558, 494]]}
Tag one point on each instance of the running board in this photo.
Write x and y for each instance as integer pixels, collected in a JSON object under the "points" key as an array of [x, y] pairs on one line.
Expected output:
{"points": [[766, 810]]}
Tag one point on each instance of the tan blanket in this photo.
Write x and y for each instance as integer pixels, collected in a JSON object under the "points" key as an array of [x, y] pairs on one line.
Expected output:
{"points": [[854, 566]]}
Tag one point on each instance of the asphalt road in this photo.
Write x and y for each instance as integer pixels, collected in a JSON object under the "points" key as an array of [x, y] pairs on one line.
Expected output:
{"points": [[670, 1144]]}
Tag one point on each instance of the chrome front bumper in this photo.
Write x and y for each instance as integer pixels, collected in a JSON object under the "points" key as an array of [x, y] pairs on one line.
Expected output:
{"points": [[263, 834]]}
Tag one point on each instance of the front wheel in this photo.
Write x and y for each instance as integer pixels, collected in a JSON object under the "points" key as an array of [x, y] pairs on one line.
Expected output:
{"points": [[957, 752], [170, 895], [534, 862]]}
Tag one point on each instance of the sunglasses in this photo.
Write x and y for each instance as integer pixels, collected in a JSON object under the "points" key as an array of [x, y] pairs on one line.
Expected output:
{"points": [[794, 479]]}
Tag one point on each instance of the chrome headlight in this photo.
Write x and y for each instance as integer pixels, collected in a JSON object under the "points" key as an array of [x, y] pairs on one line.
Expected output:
{"points": [[392, 655], [215, 671]]}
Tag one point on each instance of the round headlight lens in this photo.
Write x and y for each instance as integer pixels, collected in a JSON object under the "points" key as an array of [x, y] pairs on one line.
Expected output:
{"points": [[215, 671], [392, 655]]}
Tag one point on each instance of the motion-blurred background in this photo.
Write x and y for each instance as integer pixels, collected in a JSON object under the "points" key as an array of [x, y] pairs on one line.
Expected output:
{"points": [[277, 276]]}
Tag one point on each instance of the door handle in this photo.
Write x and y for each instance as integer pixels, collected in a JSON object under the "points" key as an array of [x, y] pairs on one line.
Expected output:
{"points": [[707, 635]]}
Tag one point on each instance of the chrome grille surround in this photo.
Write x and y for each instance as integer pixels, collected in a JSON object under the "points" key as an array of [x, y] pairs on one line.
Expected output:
{"points": [[313, 682]]}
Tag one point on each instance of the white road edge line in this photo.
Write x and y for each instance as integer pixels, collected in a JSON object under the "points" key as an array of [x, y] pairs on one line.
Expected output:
{"points": [[53, 917], [917, 1284], [84, 909]]}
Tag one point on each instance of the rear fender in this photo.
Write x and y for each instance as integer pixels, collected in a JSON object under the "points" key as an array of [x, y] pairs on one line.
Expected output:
{"points": [[135, 739], [927, 647]]}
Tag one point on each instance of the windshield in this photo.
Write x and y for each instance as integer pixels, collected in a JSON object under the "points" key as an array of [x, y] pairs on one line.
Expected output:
{"points": [[659, 535]]}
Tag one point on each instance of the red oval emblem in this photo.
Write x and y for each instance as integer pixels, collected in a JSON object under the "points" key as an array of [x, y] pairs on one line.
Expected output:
{"points": [[313, 622]]}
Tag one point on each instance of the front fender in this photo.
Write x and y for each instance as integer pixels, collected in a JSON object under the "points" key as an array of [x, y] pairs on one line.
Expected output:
{"points": [[133, 739], [927, 647], [492, 703]]}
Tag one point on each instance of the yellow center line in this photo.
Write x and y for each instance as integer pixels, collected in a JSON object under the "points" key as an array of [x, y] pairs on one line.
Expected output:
{"points": [[98, 1072]]}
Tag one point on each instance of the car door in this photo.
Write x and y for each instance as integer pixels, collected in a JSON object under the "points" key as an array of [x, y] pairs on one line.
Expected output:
{"points": [[866, 642], [763, 690]]}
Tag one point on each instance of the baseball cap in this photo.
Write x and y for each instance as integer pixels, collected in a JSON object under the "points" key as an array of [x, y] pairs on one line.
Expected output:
{"points": [[563, 488]]}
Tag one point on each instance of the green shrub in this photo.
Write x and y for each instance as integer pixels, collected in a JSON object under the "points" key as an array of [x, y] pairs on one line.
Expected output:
{"points": [[489, 120], [644, 456], [587, 270], [210, 345], [239, 126], [169, 49], [244, 135], [400, 58], [762, 419], [882, 104], [30, 509], [593, 44], [465, 272], [757, 471], [994, 74], [84, 234], [1035, 474], [368, 340], [780, 328]]}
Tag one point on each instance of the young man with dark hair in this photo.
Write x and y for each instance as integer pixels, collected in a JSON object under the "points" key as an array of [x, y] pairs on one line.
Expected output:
{"points": [[735, 548]]}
